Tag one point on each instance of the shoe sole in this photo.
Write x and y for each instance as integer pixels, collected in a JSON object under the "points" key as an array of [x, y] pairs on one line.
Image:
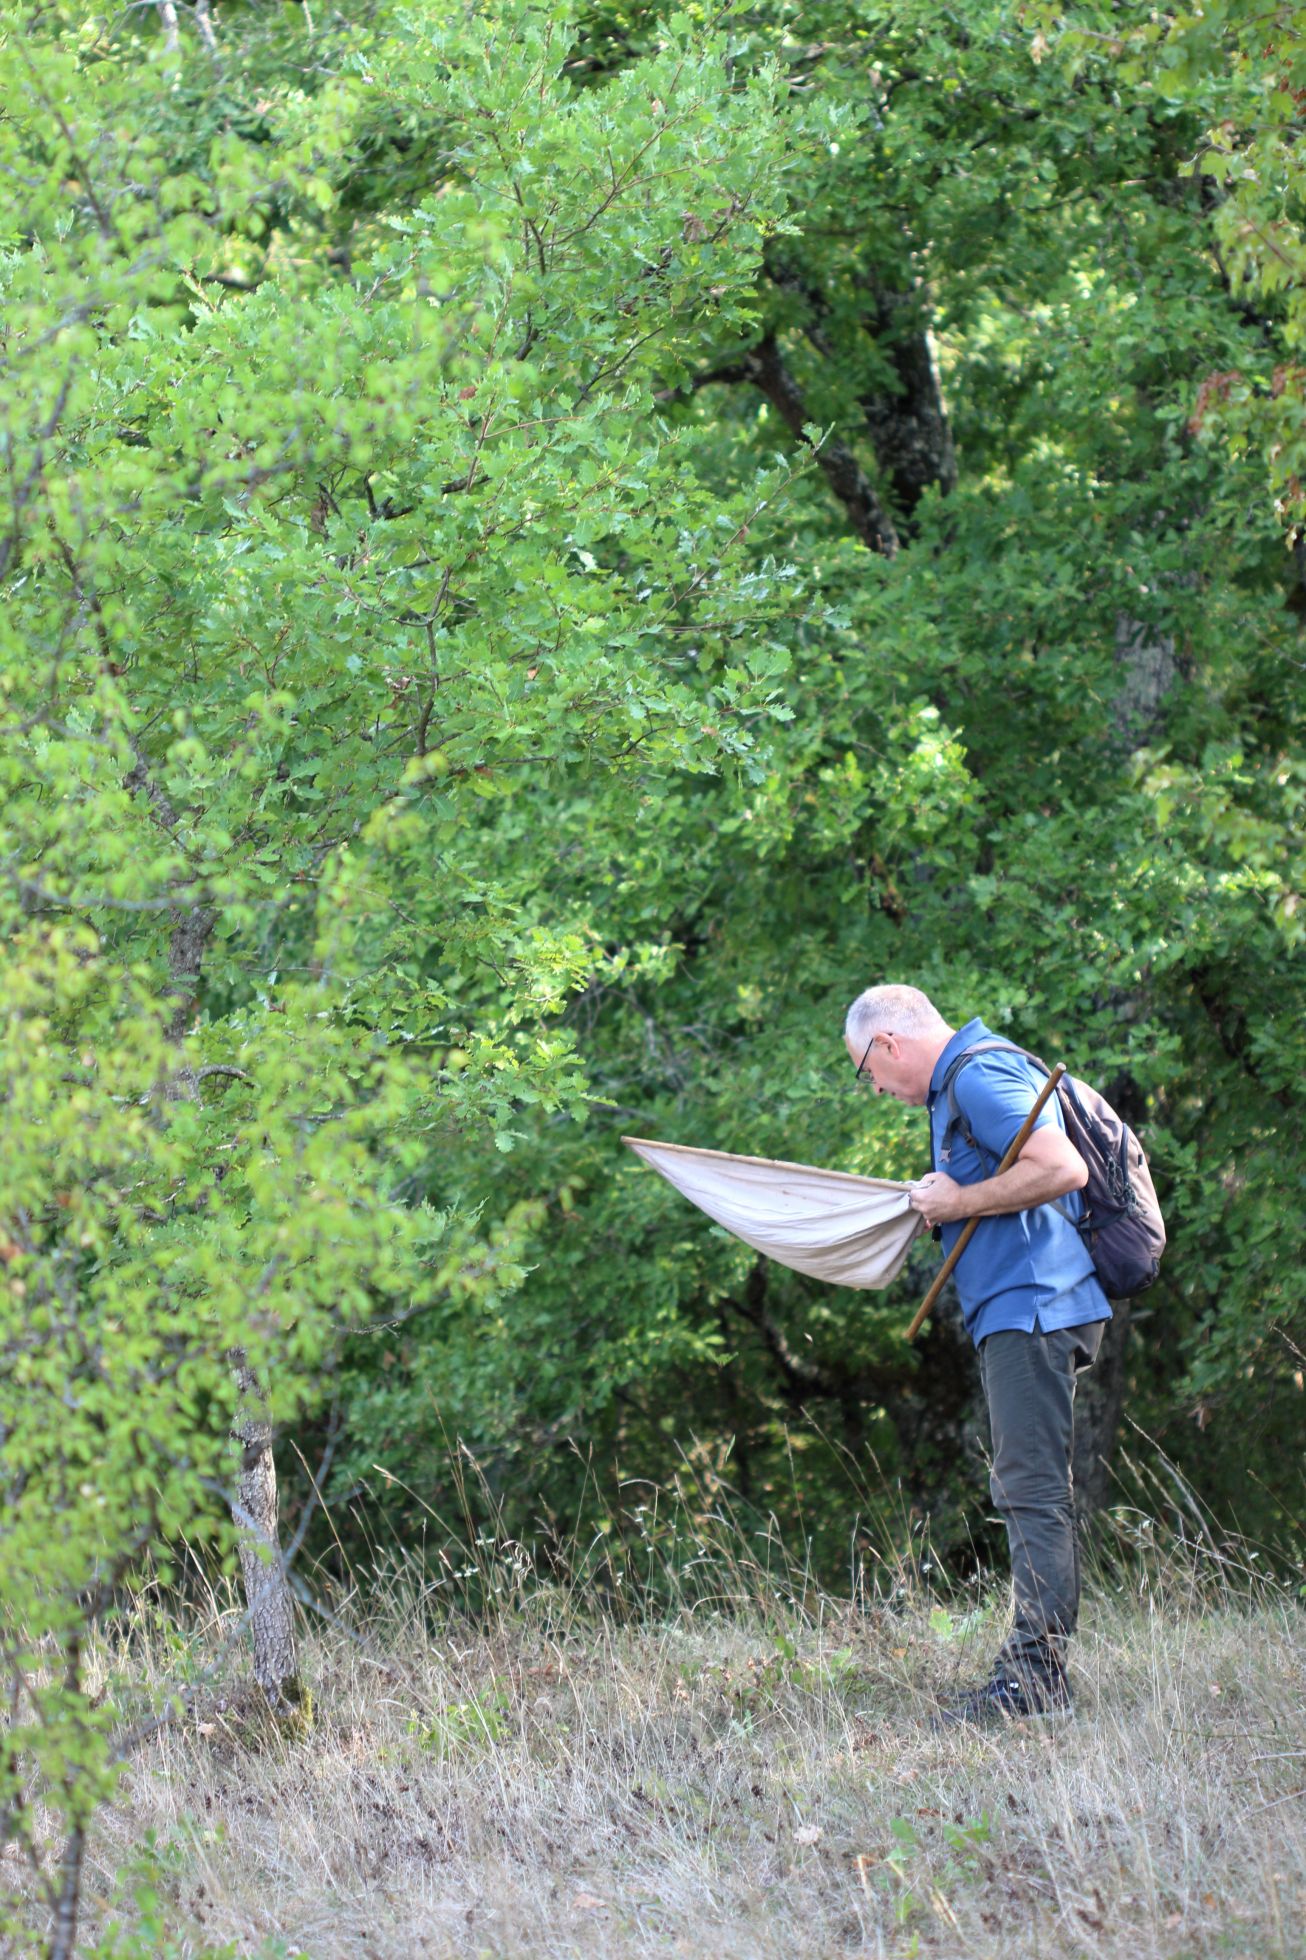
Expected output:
{"points": [[1002, 1718]]}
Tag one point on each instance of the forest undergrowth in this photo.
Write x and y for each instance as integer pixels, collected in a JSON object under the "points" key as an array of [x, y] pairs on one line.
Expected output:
{"points": [[745, 1769]]}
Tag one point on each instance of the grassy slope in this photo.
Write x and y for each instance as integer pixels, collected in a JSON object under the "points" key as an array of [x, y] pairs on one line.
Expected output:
{"points": [[758, 1783]]}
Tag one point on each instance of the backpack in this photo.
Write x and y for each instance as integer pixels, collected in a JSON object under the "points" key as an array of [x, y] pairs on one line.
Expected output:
{"points": [[1121, 1224]]}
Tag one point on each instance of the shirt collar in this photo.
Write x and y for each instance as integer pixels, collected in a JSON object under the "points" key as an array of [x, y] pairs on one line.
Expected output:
{"points": [[964, 1038]]}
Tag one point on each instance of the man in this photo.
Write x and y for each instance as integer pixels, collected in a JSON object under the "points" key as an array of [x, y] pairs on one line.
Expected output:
{"points": [[1032, 1303]]}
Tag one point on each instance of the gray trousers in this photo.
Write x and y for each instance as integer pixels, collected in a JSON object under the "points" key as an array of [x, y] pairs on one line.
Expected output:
{"points": [[1029, 1385]]}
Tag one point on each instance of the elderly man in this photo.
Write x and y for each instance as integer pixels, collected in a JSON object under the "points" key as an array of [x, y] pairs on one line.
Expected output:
{"points": [[1032, 1303]]}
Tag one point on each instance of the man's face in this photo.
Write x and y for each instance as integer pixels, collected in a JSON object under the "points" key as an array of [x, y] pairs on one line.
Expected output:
{"points": [[892, 1068]]}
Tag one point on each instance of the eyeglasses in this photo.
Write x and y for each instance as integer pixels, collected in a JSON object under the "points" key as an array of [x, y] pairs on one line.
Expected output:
{"points": [[866, 1058]]}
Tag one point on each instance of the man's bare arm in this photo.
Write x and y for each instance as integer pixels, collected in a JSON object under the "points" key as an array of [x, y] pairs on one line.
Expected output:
{"points": [[1048, 1167]]}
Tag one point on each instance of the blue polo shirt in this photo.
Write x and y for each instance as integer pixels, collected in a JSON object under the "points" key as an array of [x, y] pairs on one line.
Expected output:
{"points": [[1022, 1269]]}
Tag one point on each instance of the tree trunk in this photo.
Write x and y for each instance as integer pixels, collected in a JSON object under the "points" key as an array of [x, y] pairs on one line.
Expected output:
{"points": [[908, 424], [910, 429], [1148, 666], [68, 1901], [63, 1939], [1099, 1400], [846, 477], [269, 1600]]}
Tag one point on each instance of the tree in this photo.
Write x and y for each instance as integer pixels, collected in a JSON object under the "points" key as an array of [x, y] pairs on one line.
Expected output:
{"points": [[1041, 761], [328, 352]]}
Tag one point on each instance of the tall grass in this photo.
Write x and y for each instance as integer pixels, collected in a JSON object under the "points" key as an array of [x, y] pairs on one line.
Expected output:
{"points": [[683, 1745]]}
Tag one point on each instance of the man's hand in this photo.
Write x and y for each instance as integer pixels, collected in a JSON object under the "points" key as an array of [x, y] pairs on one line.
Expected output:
{"points": [[1047, 1167], [939, 1199]]}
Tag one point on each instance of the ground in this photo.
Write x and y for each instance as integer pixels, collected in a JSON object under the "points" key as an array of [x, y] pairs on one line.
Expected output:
{"points": [[739, 1783]]}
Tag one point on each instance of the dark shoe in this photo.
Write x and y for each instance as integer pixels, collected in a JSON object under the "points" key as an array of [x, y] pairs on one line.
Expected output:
{"points": [[1011, 1697]]}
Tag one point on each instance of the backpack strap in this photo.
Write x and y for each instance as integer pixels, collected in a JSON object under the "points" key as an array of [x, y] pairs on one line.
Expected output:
{"points": [[957, 1117]]}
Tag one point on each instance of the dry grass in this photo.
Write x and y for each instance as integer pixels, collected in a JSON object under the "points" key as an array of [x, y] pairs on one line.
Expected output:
{"points": [[757, 1781]]}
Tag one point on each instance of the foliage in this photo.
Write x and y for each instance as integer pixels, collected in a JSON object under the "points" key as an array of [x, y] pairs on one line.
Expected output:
{"points": [[304, 475], [448, 694], [1044, 761], [1238, 69]]}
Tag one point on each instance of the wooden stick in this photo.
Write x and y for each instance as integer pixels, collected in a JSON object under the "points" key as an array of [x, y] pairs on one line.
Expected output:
{"points": [[1019, 1141]]}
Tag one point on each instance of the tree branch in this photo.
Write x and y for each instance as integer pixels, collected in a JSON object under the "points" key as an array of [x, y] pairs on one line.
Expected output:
{"points": [[803, 1378], [909, 427], [24, 491], [766, 369]]}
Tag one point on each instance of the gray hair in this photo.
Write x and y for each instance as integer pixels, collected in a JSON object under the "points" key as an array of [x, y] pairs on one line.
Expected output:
{"points": [[892, 1010]]}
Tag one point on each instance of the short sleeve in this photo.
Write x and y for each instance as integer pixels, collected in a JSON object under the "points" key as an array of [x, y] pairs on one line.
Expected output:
{"points": [[995, 1094]]}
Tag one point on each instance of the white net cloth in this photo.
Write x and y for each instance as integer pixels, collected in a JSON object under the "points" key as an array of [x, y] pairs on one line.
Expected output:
{"points": [[851, 1231]]}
